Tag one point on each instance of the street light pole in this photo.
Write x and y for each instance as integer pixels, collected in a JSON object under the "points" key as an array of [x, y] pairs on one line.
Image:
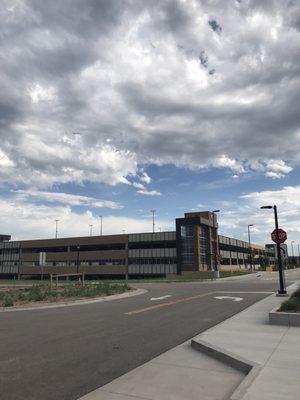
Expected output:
{"points": [[250, 249], [293, 254], [281, 279], [91, 229], [56, 228], [281, 290], [292, 244], [153, 221], [100, 225]]}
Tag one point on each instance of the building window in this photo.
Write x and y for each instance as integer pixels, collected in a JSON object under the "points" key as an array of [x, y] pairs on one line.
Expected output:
{"points": [[187, 245]]}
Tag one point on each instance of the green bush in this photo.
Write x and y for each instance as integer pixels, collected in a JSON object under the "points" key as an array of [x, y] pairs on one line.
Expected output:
{"points": [[292, 304], [44, 293], [296, 294], [21, 295], [36, 294], [2, 295], [8, 301]]}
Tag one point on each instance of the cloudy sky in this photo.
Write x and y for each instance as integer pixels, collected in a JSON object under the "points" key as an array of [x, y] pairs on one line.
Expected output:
{"points": [[115, 108]]}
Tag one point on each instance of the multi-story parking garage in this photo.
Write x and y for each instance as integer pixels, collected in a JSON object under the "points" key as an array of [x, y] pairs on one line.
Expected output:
{"points": [[194, 246]]}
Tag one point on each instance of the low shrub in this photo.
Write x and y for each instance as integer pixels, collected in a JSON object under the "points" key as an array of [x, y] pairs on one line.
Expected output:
{"points": [[8, 301], [43, 293], [36, 294], [296, 294], [292, 304], [2, 295]]}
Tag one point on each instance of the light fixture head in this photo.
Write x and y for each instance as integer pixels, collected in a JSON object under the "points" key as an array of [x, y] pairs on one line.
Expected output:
{"points": [[266, 207]]}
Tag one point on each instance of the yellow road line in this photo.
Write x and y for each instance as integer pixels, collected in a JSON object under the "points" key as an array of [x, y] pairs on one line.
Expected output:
{"points": [[169, 303]]}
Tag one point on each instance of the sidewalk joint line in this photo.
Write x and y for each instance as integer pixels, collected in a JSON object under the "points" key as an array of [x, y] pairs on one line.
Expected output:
{"points": [[124, 394]]}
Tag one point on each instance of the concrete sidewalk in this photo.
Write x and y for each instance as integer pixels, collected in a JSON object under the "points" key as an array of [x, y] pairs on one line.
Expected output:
{"points": [[275, 349], [184, 373], [179, 374]]}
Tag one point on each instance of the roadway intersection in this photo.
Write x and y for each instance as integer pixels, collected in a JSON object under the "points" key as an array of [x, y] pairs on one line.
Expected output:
{"points": [[64, 353]]}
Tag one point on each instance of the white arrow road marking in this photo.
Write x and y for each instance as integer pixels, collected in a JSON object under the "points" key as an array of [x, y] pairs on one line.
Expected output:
{"points": [[229, 297], [160, 298]]}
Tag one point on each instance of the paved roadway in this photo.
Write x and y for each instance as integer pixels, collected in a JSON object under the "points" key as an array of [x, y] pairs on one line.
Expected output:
{"points": [[64, 353]]}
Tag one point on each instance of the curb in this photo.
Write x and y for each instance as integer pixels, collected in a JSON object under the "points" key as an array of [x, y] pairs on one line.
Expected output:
{"points": [[125, 295], [247, 367], [283, 318]]}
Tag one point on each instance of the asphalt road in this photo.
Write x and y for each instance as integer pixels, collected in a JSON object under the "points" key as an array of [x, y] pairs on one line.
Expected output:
{"points": [[64, 353]]}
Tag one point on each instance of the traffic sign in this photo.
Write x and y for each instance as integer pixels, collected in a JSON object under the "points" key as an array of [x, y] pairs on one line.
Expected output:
{"points": [[281, 235]]}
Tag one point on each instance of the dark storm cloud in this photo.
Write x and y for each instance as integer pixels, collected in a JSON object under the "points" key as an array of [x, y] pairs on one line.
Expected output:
{"points": [[88, 19], [146, 82]]}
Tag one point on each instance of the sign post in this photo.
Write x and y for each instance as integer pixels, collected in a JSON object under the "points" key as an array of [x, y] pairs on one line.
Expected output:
{"points": [[279, 236]]}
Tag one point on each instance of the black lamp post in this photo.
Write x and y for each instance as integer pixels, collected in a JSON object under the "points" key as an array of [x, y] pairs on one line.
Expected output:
{"points": [[250, 250], [281, 290]]}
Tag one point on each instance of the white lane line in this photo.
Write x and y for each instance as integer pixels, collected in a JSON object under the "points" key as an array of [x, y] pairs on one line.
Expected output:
{"points": [[229, 297], [160, 298]]}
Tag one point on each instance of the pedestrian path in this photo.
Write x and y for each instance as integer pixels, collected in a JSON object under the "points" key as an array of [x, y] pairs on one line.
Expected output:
{"points": [[276, 350], [179, 374]]}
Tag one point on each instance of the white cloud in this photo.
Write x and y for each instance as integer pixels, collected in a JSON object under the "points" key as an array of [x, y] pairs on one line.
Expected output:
{"points": [[38, 93], [279, 166], [225, 162], [138, 185], [149, 192], [66, 198], [68, 160], [5, 162], [274, 175], [277, 169], [30, 221], [287, 198], [145, 178]]}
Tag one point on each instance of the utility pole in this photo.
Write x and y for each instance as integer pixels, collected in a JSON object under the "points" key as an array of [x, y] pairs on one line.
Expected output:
{"points": [[153, 221], [91, 229], [100, 216], [56, 228]]}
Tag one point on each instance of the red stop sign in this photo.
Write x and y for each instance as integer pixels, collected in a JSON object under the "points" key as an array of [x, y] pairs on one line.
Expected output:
{"points": [[282, 236]]}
